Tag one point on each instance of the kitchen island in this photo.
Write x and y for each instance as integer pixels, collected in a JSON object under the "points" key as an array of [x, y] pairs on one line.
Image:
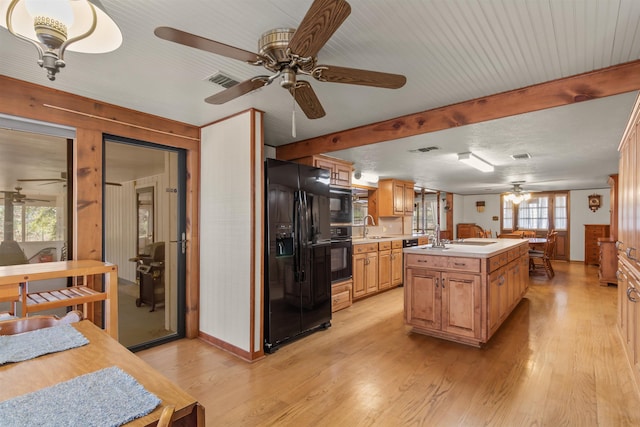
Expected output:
{"points": [[465, 290]]}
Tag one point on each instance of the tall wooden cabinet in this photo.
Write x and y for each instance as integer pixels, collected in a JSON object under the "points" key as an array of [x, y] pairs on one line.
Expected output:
{"points": [[629, 242], [593, 232]]}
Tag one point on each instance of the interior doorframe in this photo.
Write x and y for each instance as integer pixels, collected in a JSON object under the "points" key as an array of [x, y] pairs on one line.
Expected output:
{"points": [[181, 230]]}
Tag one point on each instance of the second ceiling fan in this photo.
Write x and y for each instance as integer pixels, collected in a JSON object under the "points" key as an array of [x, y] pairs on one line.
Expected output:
{"points": [[288, 53]]}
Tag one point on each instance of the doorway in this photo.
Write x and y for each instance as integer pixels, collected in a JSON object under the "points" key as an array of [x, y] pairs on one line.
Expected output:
{"points": [[144, 225]]}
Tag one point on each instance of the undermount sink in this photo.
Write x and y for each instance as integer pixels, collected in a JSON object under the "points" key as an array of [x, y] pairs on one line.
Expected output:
{"points": [[473, 243], [433, 248]]}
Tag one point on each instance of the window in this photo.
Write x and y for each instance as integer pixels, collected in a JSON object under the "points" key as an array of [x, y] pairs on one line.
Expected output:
{"points": [[542, 212], [425, 210]]}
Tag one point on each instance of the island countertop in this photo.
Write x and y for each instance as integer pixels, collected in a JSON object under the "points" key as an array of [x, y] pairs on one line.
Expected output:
{"points": [[472, 247]]}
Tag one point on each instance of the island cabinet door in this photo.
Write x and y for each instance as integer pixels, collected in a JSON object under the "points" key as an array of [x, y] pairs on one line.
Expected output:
{"points": [[497, 298], [461, 304], [423, 298]]}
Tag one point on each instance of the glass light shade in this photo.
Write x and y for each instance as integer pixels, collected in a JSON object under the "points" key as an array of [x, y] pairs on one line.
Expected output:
{"points": [[106, 37]]}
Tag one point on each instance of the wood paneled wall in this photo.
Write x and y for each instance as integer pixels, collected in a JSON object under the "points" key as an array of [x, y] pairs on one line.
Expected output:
{"points": [[92, 119]]}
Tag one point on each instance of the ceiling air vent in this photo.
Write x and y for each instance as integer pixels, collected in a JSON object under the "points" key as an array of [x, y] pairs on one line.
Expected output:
{"points": [[223, 80], [424, 149], [523, 156]]}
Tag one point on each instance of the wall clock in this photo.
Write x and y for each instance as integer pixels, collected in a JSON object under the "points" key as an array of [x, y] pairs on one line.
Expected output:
{"points": [[594, 202]]}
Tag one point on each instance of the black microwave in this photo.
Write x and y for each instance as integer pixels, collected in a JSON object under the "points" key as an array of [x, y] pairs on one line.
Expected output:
{"points": [[340, 206]]}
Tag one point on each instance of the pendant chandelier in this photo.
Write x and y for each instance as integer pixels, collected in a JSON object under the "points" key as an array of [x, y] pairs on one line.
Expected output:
{"points": [[53, 26], [517, 195]]}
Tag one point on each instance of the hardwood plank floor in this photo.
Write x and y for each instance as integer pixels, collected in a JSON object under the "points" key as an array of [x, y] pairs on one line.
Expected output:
{"points": [[558, 360]]}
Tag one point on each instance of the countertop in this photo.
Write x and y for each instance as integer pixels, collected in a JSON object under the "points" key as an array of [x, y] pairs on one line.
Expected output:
{"points": [[385, 238], [466, 248]]}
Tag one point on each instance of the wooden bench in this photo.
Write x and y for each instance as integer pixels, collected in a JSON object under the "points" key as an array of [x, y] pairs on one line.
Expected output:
{"points": [[81, 294]]}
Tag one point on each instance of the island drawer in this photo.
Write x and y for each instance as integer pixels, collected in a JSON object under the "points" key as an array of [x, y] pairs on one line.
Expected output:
{"points": [[384, 246], [364, 248], [513, 254], [498, 261], [425, 261], [464, 264]]}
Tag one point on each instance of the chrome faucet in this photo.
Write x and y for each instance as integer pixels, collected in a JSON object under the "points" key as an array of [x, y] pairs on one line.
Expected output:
{"points": [[366, 230], [437, 242]]}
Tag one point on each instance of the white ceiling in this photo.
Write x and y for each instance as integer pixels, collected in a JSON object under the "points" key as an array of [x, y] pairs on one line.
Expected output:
{"points": [[450, 51]]}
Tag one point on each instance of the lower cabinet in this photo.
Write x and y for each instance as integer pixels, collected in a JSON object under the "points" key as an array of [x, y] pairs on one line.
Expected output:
{"points": [[341, 295], [446, 302], [629, 311], [376, 267], [365, 269]]}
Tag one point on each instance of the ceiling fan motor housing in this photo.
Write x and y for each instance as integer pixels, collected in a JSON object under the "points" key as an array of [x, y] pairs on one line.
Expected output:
{"points": [[274, 45]]}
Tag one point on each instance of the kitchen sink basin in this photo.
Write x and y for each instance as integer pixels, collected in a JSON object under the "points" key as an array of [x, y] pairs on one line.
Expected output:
{"points": [[433, 248], [473, 243]]}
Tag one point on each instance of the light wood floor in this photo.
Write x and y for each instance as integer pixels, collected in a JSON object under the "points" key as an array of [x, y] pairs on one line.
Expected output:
{"points": [[557, 361]]}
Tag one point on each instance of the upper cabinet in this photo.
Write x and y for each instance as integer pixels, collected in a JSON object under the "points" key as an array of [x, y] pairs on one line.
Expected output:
{"points": [[395, 197], [340, 169]]}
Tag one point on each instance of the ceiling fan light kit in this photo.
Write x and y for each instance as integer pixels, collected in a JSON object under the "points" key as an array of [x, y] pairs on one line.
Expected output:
{"points": [[288, 53], [517, 195], [475, 162], [54, 26]]}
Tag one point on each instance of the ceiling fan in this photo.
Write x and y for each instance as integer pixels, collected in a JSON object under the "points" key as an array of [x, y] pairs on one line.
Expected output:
{"points": [[17, 198], [517, 194], [62, 179], [288, 53]]}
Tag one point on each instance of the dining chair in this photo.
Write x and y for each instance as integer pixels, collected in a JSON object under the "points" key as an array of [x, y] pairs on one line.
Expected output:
{"points": [[542, 261], [487, 234], [528, 233], [26, 324], [166, 416]]}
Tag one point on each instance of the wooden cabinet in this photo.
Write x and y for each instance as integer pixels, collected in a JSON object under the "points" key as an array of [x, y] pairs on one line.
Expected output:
{"points": [[395, 197], [628, 241], [384, 265], [593, 232], [608, 261], [365, 269], [396, 263], [466, 230], [341, 295], [340, 169], [445, 302]]}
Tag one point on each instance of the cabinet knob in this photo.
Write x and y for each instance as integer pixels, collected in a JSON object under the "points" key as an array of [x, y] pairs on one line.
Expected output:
{"points": [[629, 256], [629, 297]]}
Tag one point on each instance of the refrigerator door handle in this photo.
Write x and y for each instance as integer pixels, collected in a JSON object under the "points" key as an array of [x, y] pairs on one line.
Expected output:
{"points": [[304, 213]]}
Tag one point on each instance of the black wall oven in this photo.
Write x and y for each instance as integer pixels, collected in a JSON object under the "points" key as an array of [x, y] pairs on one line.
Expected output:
{"points": [[341, 253], [340, 206]]}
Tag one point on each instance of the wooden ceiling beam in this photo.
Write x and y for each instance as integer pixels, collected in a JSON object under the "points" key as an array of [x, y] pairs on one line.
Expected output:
{"points": [[582, 87]]}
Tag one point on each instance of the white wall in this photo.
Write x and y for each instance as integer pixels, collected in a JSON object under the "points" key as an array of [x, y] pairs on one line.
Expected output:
{"points": [[483, 219], [231, 231], [581, 215]]}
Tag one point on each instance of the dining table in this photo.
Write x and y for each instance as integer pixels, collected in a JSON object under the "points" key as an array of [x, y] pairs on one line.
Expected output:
{"points": [[101, 352], [537, 243]]}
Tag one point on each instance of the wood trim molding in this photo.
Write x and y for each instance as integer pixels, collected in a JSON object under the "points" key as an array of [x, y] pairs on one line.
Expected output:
{"points": [[230, 348], [582, 87]]}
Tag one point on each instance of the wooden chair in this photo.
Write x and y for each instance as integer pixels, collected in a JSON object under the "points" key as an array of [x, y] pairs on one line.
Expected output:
{"points": [[26, 324], [542, 261], [528, 233], [166, 416], [487, 234]]}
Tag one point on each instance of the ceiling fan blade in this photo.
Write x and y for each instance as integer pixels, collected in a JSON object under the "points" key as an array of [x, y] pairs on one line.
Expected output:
{"points": [[333, 74], [42, 180], [238, 90], [188, 39], [307, 100], [322, 20]]}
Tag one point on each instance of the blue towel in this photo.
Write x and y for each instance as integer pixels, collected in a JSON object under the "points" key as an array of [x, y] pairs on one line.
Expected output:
{"points": [[109, 397], [28, 345]]}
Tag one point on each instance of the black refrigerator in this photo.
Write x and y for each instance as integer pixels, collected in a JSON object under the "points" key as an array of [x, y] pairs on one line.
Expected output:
{"points": [[298, 252]]}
